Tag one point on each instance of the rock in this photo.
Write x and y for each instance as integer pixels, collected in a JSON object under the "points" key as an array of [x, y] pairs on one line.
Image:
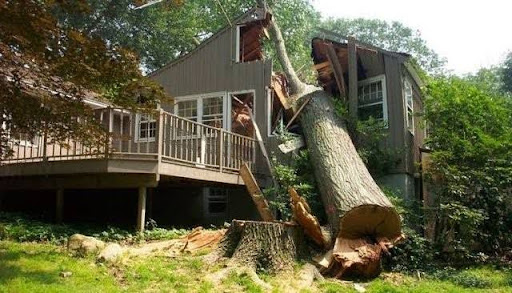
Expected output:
{"points": [[82, 245], [359, 288], [65, 274], [111, 253]]}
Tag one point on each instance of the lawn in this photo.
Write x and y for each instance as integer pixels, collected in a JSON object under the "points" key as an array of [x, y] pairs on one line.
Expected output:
{"points": [[37, 267]]}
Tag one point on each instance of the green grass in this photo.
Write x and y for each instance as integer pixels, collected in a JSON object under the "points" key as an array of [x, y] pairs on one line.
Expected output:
{"points": [[28, 267], [35, 267]]}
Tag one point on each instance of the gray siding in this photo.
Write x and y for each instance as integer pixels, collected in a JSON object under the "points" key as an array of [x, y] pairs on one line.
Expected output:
{"points": [[396, 118]]}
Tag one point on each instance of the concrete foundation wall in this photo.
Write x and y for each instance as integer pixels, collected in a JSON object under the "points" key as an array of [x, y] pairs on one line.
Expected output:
{"points": [[402, 184]]}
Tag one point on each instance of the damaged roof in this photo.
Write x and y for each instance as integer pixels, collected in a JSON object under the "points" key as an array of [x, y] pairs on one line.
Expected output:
{"points": [[256, 15]]}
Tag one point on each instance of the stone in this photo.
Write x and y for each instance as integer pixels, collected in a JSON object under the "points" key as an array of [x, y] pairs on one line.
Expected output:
{"points": [[82, 245], [111, 253], [65, 274]]}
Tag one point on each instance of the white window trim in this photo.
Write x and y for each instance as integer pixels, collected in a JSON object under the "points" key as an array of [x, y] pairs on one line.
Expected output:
{"points": [[199, 98], [229, 108], [270, 105], [138, 117], [237, 44], [206, 197], [406, 105], [384, 102]]}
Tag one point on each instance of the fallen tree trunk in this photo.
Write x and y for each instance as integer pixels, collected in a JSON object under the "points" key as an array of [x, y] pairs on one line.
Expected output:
{"points": [[363, 221]]}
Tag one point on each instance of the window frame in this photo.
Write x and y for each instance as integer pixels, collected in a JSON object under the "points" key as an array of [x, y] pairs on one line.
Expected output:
{"points": [[229, 108], [138, 122], [207, 196], [408, 107], [199, 100], [382, 79]]}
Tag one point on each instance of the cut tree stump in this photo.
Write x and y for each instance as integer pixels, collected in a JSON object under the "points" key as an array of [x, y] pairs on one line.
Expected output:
{"points": [[269, 246]]}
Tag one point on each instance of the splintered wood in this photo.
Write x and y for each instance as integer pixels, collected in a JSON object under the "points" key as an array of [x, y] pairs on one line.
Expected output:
{"points": [[359, 256], [302, 215]]}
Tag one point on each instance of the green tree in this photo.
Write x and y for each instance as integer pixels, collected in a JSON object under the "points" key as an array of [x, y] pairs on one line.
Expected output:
{"points": [[506, 73], [165, 31], [393, 36], [47, 69], [471, 138]]}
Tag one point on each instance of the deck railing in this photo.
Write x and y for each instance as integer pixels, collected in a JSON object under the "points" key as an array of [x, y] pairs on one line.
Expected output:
{"points": [[158, 135]]}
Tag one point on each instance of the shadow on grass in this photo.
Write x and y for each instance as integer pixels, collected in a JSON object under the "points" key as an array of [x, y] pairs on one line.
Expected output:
{"points": [[11, 266]]}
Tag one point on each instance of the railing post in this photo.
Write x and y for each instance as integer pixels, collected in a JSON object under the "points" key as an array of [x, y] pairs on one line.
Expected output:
{"points": [[221, 150], [45, 157], [109, 131], [160, 144]]}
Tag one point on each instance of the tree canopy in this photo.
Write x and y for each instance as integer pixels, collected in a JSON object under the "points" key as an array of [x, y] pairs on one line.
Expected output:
{"points": [[47, 69], [470, 134]]}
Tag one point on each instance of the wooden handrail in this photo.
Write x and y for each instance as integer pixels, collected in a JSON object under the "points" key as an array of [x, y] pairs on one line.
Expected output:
{"points": [[166, 135]]}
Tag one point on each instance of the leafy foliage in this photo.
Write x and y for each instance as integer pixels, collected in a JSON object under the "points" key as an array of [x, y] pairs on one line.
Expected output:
{"points": [[20, 228], [299, 175], [369, 138], [506, 73], [471, 138], [47, 69]]}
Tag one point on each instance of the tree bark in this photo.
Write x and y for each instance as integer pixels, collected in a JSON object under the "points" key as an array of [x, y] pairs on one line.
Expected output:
{"points": [[262, 245], [363, 221]]}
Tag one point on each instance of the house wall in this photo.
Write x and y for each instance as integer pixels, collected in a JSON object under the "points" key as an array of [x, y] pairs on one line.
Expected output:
{"points": [[401, 178], [211, 68]]}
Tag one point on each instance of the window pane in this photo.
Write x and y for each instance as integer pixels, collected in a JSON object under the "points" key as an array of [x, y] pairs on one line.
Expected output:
{"points": [[374, 111], [213, 111], [217, 200], [370, 93], [188, 109]]}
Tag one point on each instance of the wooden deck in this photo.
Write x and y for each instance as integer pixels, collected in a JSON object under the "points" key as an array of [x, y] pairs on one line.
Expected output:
{"points": [[144, 146]]}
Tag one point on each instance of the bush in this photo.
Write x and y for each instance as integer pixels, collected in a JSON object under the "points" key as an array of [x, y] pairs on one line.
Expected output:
{"points": [[21, 228], [415, 253], [471, 138], [299, 175], [463, 278]]}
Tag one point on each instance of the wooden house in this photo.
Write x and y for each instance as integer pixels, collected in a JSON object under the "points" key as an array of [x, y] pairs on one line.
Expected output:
{"points": [[384, 85]]}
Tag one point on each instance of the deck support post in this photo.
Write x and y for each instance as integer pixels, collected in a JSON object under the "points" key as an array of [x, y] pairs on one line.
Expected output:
{"points": [[141, 209], [59, 205]]}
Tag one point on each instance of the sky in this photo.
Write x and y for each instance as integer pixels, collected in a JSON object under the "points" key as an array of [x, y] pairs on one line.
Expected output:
{"points": [[469, 34]]}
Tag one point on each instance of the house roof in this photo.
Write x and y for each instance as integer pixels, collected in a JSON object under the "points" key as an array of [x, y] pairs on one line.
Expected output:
{"points": [[252, 15], [402, 57]]}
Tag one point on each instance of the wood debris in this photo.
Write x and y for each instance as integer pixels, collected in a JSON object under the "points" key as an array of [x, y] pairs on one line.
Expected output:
{"points": [[302, 215]]}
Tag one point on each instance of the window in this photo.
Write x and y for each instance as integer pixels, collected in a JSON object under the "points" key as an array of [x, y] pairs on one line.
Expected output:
{"points": [[372, 99], [409, 102], [187, 109], [146, 128], [216, 201], [213, 111], [208, 109]]}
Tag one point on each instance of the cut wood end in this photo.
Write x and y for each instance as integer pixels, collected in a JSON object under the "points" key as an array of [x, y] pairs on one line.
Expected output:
{"points": [[371, 221]]}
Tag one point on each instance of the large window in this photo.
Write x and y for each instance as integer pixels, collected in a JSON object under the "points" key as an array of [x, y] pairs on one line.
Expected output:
{"points": [[146, 128], [409, 102], [372, 99], [208, 109], [216, 201]]}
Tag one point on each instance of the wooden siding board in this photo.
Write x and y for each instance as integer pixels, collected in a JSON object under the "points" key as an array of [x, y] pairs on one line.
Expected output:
{"points": [[396, 118]]}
